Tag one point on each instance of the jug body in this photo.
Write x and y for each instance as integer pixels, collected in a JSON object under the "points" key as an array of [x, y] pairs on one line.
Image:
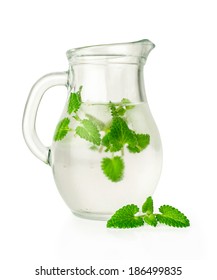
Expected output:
{"points": [[106, 149]]}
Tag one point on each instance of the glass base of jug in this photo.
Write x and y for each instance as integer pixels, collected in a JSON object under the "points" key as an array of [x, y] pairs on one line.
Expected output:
{"points": [[93, 216]]}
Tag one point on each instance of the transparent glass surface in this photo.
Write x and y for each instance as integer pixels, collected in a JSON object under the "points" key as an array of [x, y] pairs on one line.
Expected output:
{"points": [[106, 151]]}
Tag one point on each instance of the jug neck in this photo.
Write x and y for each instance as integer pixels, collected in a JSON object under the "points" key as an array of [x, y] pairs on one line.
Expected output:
{"points": [[109, 72]]}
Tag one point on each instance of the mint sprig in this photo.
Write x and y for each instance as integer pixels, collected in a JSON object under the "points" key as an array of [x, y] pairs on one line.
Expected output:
{"points": [[112, 137], [128, 217]]}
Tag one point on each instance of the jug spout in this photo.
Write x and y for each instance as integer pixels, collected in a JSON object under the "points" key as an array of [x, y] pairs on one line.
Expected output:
{"points": [[143, 47]]}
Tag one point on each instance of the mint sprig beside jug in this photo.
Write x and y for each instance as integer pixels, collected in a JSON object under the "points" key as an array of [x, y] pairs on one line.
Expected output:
{"points": [[130, 216], [113, 137]]}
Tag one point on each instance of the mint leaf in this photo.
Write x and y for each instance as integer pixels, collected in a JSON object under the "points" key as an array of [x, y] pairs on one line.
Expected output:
{"points": [[120, 132], [125, 218], [74, 101], [172, 217], [62, 129], [119, 135], [89, 132], [101, 125], [142, 141], [119, 109], [111, 143], [148, 206], [113, 168], [150, 220], [127, 103], [106, 141]]}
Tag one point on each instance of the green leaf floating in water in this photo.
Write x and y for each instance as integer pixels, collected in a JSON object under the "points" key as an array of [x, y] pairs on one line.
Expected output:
{"points": [[113, 168], [101, 125], [119, 109], [74, 101], [89, 132], [142, 141], [118, 136], [127, 103], [62, 129]]}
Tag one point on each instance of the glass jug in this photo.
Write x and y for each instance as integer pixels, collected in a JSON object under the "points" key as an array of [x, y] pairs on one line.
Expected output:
{"points": [[106, 149]]}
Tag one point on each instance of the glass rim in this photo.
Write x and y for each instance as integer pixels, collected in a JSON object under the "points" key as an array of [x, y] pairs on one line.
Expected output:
{"points": [[139, 48]]}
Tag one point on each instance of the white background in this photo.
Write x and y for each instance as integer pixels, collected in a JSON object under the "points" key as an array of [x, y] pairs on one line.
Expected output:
{"points": [[36, 226]]}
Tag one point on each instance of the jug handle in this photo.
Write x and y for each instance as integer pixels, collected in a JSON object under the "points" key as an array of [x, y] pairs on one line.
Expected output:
{"points": [[31, 108]]}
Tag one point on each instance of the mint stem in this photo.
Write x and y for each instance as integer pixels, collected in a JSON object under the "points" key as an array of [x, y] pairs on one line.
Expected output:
{"points": [[77, 118], [101, 149]]}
